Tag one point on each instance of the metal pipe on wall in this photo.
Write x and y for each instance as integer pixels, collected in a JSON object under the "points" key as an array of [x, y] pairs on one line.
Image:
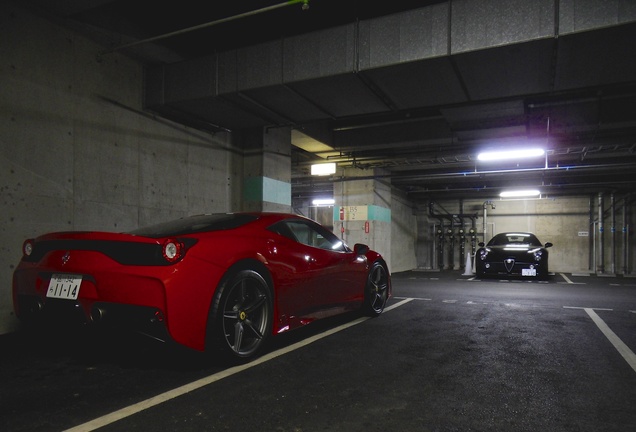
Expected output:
{"points": [[627, 240], [624, 231], [486, 204], [591, 263], [485, 218], [613, 230], [601, 237], [462, 238]]}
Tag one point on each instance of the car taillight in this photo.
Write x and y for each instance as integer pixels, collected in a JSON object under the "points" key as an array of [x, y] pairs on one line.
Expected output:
{"points": [[27, 248], [172, 250]]}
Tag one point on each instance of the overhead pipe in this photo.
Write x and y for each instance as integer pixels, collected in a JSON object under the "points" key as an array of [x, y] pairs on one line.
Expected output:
{"points": [[466, 174], [305, 6]]}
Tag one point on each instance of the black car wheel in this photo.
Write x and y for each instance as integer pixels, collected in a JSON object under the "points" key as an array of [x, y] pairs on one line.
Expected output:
{"points": [[241, 315], [377, 290]]}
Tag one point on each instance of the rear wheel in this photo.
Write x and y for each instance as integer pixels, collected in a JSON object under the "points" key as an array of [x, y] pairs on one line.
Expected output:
{"points": [[241, 316], [376, 292]]}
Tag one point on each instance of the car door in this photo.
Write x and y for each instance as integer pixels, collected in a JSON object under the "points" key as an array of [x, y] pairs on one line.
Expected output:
{"points": [[329, 276]]}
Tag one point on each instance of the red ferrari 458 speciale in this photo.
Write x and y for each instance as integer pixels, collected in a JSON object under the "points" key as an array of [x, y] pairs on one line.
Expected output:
{"points": [[223, 283]]}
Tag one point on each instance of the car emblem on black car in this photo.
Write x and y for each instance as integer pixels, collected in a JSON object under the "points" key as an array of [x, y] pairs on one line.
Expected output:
{"points": [[510, 262]]}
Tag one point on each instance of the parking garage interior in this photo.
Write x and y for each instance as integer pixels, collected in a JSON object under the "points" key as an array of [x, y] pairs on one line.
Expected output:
{"points": [[120, 114]]}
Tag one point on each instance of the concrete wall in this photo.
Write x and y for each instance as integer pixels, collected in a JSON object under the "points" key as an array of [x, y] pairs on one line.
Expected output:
{"points": [[571, 224], [403, 234], [357, 198], [78, 153], [391, 224], [266, 168]]}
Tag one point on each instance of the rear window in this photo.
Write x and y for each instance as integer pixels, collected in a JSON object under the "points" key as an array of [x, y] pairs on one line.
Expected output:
{"points": [[195, 224]]}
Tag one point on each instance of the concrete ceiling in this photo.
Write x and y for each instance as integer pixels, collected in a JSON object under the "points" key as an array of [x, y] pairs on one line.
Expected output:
{"points": [[411, 91]]}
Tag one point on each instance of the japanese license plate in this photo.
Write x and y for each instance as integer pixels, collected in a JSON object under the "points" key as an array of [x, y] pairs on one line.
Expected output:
{"points": [[64, 286], [528, 272]]}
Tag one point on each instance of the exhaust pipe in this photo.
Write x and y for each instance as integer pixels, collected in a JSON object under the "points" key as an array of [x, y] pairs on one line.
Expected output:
{"points": [[97, 314]]}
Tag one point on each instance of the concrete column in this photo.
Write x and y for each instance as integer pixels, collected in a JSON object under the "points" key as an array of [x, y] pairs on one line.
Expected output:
{"points": [[266, 169], [362, 213]]}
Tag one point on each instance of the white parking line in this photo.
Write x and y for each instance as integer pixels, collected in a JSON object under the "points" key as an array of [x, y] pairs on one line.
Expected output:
{"points": [[397, 305], [566, 278], [412, 298], [623, 349], [187, 388]]}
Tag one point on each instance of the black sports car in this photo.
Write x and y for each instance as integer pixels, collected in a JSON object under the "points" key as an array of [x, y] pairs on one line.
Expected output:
{"points": [[513, 254]]}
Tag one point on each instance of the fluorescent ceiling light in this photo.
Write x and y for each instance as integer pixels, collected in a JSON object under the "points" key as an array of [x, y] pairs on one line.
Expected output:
{"points": [[510, 154], [323, 202], [323, 169], [520, 193]]}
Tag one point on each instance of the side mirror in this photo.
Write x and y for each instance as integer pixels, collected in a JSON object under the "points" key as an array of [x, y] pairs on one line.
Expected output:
{"points": [[548, 244], [481, 244], [360, 249]]}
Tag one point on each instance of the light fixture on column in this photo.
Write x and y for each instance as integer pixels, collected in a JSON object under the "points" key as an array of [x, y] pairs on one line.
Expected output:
{"points": [[323, 169]]}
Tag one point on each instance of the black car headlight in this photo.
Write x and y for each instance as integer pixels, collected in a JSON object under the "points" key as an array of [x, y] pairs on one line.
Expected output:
{"points": [[538, 255], [483, 254]]}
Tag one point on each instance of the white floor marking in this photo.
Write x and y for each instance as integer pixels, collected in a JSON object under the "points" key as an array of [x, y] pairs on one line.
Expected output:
{"points": [[413, 298], [566, 278], [397, 305], [187, 388], [623, 349]]}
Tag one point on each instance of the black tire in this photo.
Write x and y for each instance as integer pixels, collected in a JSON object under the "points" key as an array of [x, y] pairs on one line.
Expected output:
{"points": [[376, 292], [240, 321]]}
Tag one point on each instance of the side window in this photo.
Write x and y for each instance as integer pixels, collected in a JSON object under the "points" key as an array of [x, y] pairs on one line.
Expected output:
{"points": [[301, 232], [309, 234], [283, 229]]}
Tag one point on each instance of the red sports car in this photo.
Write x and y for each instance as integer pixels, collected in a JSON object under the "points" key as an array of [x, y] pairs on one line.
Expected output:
{"points": [[218, 282]]}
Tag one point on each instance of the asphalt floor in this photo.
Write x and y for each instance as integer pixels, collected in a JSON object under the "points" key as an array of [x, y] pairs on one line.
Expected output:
{"points": [[450, 353]]}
